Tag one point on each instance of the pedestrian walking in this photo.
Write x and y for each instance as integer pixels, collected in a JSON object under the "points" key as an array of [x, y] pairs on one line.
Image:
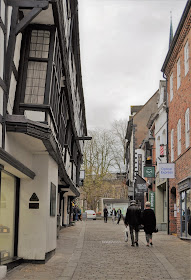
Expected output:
{"points": [[133, 219], [118, 215], [113, 213], [105, 214], [149, 222]]}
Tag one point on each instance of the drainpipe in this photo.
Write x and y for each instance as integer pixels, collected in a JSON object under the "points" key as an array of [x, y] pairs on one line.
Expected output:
{"points": [[168, 200]]}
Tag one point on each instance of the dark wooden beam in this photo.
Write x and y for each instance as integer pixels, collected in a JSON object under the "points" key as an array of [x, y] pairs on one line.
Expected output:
{"points": [[3, 85], [16, 164], [27, 19], [15, 72], [28, 4]]}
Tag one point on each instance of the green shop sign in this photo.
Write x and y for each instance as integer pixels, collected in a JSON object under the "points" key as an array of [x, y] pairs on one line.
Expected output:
{"points": [[149, 171], [152, 200]]}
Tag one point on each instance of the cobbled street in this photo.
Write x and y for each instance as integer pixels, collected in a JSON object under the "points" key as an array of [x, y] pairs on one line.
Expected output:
{"points": [[97, 250]]}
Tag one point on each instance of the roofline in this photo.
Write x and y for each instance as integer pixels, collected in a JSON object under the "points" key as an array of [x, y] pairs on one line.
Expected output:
{"points": [[175, 38]]}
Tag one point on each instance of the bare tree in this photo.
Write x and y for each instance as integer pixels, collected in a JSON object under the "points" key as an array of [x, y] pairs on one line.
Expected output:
{"points": [[103, 155]]}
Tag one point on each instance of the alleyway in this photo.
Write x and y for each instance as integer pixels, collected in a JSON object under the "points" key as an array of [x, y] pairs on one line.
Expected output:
{"points": [[95, 250]]}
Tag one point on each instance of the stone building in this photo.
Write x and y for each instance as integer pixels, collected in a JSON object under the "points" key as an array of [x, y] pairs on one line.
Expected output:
{"points": [[42, 124]]}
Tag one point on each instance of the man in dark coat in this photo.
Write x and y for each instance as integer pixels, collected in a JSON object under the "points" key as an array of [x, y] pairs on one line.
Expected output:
{"points": [[133, 219], [149, 222], [105, 213]]}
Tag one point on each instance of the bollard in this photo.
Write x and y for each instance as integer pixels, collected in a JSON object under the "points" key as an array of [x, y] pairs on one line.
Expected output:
{"points": [[3, 271]]}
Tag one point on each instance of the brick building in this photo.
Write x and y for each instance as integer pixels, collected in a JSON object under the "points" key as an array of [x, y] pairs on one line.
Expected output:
{"points": [[176, 69]]}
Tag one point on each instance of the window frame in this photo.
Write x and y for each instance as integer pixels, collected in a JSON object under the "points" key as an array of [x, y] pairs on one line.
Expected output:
{"points": [[172, 145], [179, 137], [178, 74], [187, 127], [186, 58], [171, 87], [26, 59]]}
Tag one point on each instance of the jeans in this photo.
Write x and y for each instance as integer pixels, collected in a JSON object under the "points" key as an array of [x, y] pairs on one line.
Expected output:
{"points": [[132, 228]]}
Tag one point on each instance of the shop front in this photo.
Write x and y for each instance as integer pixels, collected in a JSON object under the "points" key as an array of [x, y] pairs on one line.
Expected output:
{"points": [[9, 190], [185, 206]]}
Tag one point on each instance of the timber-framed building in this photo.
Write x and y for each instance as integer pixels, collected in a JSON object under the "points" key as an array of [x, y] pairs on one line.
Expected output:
{"points": [[42, 124]]}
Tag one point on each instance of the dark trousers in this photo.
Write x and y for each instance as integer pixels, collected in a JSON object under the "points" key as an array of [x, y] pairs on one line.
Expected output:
{"points": [[119, 218], [105, 219], [132, 229]]}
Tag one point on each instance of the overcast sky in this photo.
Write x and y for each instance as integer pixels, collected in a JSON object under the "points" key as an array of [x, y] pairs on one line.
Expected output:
{"points": [[123, 46]]}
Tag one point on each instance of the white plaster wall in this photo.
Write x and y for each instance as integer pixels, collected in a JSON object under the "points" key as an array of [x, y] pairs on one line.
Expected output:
{"points": [[18, 151], [35, 116], [51, 226], [12, 90], [9, 21], [17, 50], [37, 230], [160, 126], [131, 159]]}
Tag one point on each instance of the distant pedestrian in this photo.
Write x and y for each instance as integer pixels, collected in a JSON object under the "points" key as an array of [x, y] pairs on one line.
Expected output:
{"points": [[79, 214], [118, 215], [113, 213], [105, 213], [133, 219], [149, 222]]}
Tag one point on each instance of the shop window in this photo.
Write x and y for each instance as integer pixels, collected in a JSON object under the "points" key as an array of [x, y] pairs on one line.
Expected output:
{"points": [[7, 216], [185, 213]]}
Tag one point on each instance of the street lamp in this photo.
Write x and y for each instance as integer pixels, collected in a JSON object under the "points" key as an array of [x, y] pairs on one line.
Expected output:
{"points": [[151, 140]]}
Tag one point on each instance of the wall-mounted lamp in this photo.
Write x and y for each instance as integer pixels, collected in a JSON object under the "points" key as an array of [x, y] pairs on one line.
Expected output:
{"points": [[151, 140]]}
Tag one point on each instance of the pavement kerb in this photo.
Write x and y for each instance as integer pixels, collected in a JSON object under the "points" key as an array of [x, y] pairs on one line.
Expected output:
{"points": [[174, 274], [74, 259]]}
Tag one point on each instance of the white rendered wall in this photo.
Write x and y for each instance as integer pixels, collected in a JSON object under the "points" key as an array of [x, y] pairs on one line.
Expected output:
{"points": [[37, 230], [18, 151]]}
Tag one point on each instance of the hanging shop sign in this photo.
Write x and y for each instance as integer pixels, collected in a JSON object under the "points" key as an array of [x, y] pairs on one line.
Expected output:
{"points": [[152, 200], [166, 170], [149, 171]]}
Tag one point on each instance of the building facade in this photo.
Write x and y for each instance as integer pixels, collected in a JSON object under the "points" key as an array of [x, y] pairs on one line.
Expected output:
{"points": [[176, 69], [42, 124]]}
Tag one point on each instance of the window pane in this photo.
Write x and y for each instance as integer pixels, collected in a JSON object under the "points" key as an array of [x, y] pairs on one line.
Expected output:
{"points": [[35, 84], [7, 214], [40, 41]]}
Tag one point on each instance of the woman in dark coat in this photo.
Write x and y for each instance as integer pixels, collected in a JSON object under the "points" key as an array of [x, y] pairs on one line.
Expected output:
{"points": [[149, 222]]}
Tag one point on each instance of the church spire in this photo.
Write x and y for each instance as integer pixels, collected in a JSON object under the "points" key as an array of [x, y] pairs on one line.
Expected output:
{"points": [[171, 30]]}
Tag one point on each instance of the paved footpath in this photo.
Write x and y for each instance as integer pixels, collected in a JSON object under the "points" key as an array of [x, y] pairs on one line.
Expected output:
{"points": [[96, 250]]}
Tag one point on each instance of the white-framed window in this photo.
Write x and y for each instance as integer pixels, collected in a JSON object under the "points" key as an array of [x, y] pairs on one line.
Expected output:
{"points": [[172, 145], [187, 128], [186, 58], [179, 137], [171, 87], [178, 73]]}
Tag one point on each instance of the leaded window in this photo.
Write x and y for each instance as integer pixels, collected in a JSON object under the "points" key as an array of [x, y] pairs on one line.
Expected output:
{"points": [[37, 66]]}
